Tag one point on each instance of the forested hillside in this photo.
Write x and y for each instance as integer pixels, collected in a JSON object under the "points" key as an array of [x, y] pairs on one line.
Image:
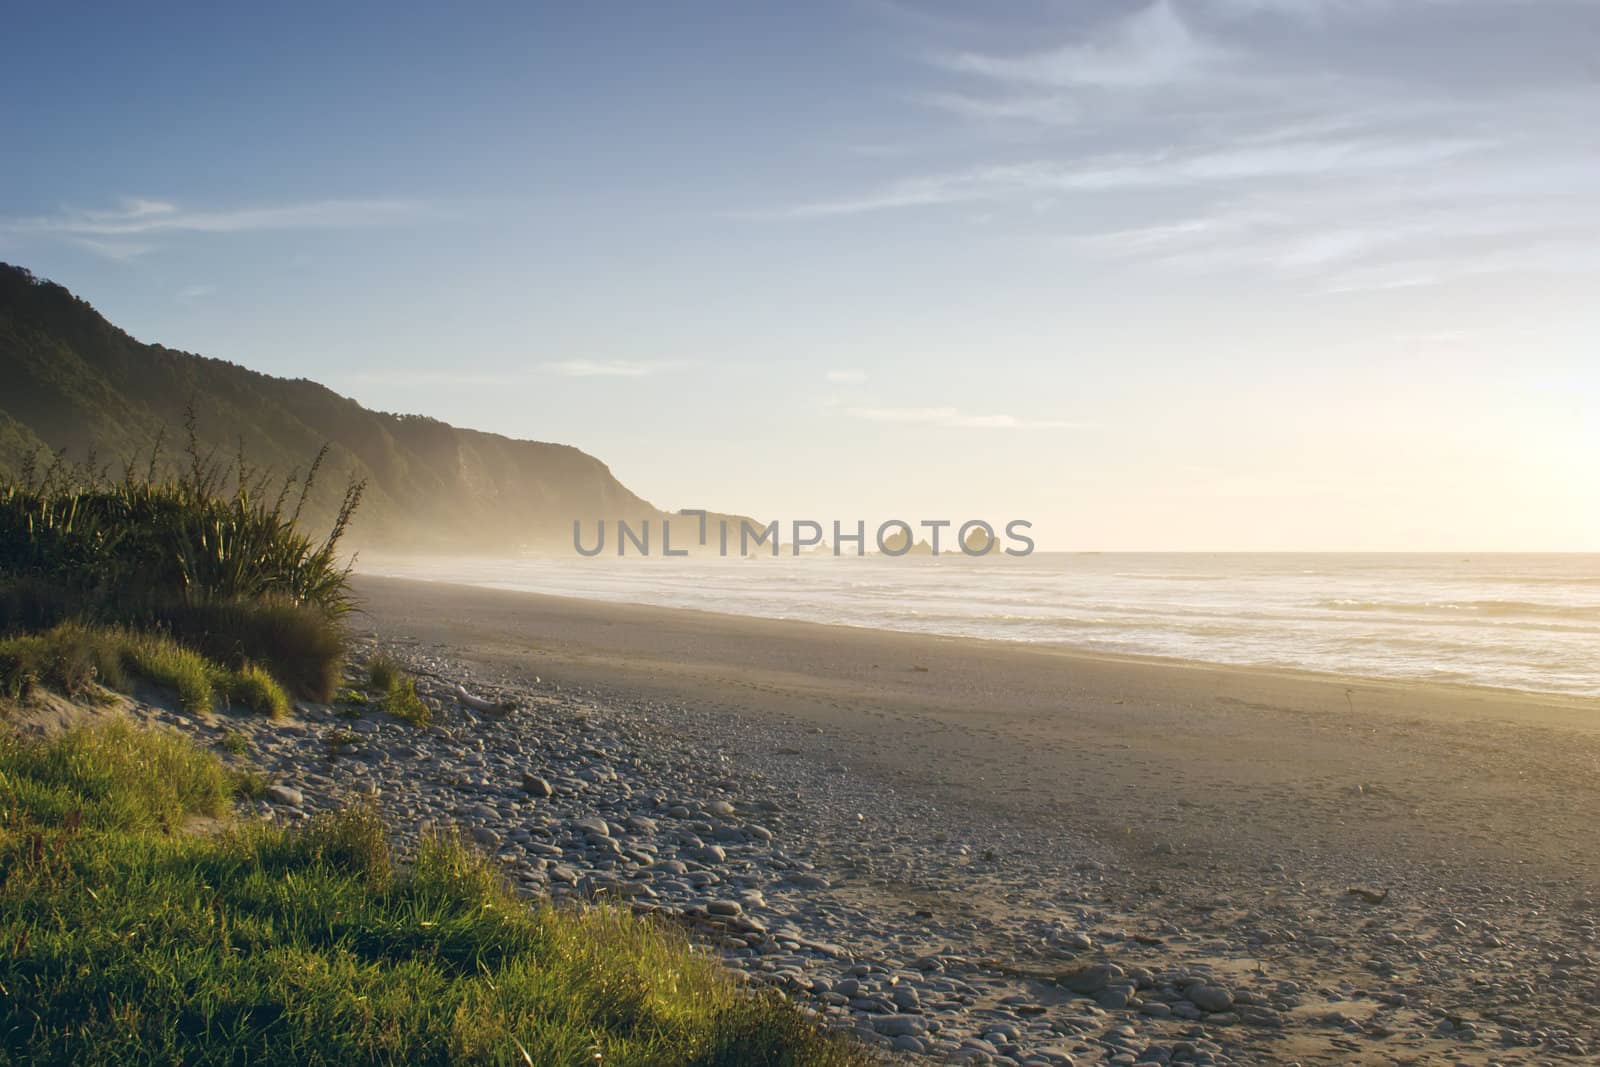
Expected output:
{"points": [[70, 380]]}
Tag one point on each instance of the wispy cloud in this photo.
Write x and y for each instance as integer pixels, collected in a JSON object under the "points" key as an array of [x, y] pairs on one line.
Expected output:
{"points": [[1046, 109], [1300, 9], [1323, 158], [1325, 10], [956, 418], [1577, 253], [1369, 236], [437, 379], [612, 368], [1152, 47], [196, 292], [1335, 142], [846, 377], [108, 231], [513, 377], [118, 250]]}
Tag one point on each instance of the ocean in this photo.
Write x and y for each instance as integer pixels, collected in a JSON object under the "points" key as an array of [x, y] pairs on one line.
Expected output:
{"points": [[1516, 621]]}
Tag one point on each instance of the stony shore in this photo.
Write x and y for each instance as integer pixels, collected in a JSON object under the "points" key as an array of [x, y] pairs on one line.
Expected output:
{"points": [[933, 928]]}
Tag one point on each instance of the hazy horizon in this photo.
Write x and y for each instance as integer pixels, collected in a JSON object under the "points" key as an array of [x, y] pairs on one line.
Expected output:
{"points": [[1227, 275]]}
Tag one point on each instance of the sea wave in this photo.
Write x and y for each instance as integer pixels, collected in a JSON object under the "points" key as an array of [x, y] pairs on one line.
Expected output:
{"points": [[1458, 607], [1176, 577], [1540, 579]]}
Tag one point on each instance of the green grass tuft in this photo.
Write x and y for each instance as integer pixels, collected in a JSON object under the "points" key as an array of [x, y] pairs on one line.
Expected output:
{"points": [[341, 740], [172, 666], [127, 943], [395, 691], [248, 783], [403, 703], [384, 673], [256, 690]]}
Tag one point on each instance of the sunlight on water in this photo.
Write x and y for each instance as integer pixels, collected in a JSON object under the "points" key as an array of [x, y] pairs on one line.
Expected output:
{"points": [[1518, 621]]}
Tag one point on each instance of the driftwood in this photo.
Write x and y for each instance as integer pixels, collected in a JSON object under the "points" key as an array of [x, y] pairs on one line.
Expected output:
{"points": [[479, 704]]}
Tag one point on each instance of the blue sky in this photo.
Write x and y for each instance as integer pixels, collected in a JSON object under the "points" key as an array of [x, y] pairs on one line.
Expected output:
{"points": [[1254, 274]]}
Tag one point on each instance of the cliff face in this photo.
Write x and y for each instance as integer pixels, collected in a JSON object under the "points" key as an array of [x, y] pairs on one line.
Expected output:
{"points": [[71, 380]]}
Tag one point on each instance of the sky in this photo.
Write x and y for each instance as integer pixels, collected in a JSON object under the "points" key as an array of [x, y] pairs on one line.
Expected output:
{"points": [[1173, 275]]}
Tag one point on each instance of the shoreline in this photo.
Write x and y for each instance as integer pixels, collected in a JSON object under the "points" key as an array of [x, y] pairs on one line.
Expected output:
{"points": [[1058, 647], [1545, 700]]}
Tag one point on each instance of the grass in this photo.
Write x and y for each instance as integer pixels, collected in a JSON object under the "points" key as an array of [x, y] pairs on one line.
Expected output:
{"points": [[302, 646], [384, 673], [74, 658], [350, 704], [403, 703], [112, 777], [395, 691], [172, 666], [256, 690], [248, 783], [340, 741], [128, 943]]}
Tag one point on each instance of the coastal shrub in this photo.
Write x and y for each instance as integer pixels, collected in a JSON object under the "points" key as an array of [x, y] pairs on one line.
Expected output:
{"points": [[128, 942], [138, 545], [70, 658], [30, 603], [225, 570]]}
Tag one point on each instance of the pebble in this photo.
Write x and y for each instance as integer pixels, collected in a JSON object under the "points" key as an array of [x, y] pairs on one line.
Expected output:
{"points": [[285, 795], [1209, 997]]}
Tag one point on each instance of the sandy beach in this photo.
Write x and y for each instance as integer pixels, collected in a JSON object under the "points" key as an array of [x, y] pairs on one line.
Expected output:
{"points": [[1226, 814], [1232, 764]]}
